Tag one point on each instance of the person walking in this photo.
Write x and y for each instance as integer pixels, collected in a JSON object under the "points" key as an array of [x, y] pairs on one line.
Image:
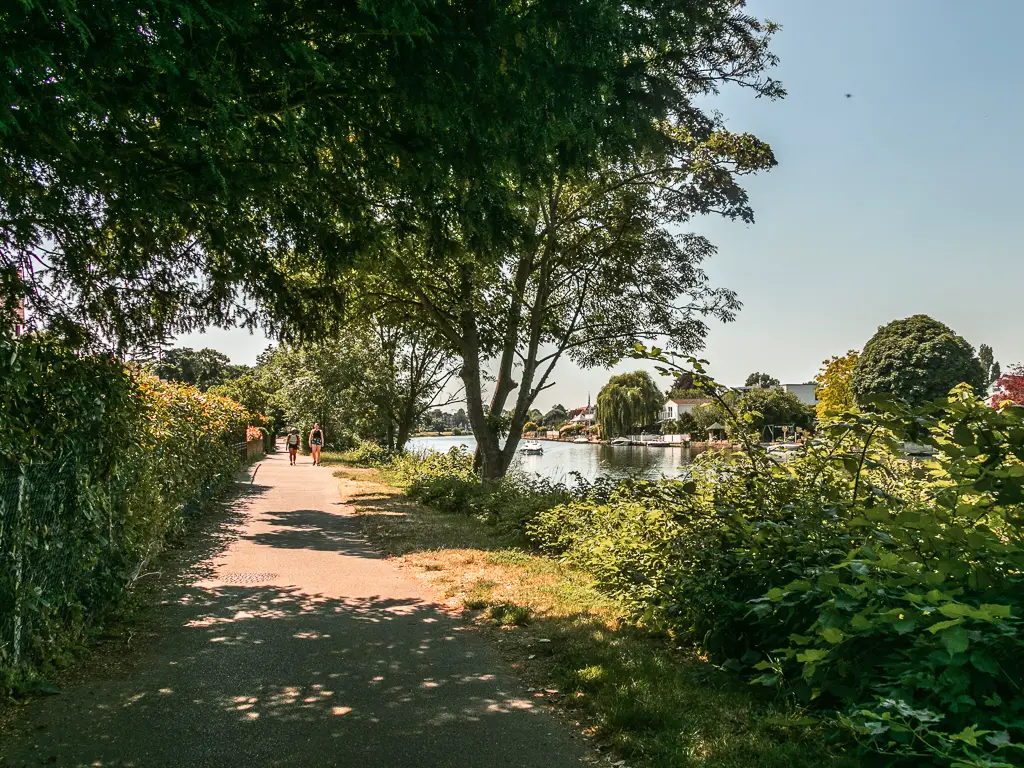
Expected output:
{"points": [[316, 441], [292, 441]]}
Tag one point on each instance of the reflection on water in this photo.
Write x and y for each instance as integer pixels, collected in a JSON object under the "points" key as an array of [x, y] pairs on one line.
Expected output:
{"points": [[591, 461]]}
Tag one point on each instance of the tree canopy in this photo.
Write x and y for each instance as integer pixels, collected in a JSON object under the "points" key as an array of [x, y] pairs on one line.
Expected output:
{"points": [[167, 163], [1009, 388], [990, 371], [628, 402], [916, 359], [204, 368], [772, 410], [835, 384], [762, 380]]}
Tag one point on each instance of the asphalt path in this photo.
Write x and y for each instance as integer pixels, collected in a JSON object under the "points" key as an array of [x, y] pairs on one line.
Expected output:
{"points": [[297, 645]]}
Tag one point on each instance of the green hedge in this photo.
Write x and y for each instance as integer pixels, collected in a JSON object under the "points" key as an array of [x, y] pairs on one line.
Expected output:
{"points": [[99, 463], [883, 592]]}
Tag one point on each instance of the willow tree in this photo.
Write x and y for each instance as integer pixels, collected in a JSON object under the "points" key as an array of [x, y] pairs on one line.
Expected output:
{"points": [[628, 402]]}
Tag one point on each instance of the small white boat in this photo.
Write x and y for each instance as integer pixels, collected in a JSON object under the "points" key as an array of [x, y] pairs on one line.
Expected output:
{"points": [[581, 440], [621, 441], [531, 447]]}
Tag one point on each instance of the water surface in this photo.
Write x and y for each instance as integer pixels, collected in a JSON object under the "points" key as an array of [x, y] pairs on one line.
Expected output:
{"points": [[590, 461]]}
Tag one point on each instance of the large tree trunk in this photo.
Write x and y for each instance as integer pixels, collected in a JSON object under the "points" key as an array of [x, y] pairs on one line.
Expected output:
{"points": [[489, 460]]}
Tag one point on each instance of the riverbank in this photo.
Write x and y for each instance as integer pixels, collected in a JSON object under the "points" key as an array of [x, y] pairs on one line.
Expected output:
{"points": [[653, 704]]}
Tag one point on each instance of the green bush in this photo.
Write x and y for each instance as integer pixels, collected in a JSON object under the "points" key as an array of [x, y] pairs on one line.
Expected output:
{"points": [[445, 481], [99, 465], [887, 593], [366, 453], [448, 483]]}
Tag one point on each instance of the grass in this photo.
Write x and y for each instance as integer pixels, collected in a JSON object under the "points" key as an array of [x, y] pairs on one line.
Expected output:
{"points": [[652, 703]]}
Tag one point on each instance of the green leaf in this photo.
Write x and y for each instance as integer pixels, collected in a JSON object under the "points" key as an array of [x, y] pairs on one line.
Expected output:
{"points": [[995, 610], [969, 735], [944, 625], [955, 639], [833, 635], [812, 655]]}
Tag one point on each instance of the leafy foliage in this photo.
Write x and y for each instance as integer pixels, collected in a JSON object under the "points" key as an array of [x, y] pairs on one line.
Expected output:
{"points": [[373, 382], [627, 402], [916, 359], [1009, 388], [851, 579], [161, 157], [762, 380], [98, 465], [556, 416], [835, 384], [771, 411], [204, 368], [366, 453], [990, 371]]}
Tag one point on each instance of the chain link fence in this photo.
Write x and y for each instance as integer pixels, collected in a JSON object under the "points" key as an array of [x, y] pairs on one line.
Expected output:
{"points": [[40, 524]]}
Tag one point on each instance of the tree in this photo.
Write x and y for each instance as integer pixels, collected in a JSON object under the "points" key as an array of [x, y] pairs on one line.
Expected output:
{"points": [[374, 382], [773, 409], [989, 366], [762, 380], [556, 416], [203, 368], [706, 415], [597, 270], [627, 402], [571, 251], [684, 388], [411, 375], [161, 161], [835, 384], [1009, 388], [916, 359]]}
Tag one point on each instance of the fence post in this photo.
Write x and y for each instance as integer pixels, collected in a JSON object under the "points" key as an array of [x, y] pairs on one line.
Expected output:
{"points": [[16, 656]]}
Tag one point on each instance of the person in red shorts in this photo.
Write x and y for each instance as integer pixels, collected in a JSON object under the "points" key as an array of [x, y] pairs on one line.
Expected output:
{"points": [[293, 445]]}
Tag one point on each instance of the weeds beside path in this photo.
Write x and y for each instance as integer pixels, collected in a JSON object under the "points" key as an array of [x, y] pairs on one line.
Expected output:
{"points": [[653, 704]]}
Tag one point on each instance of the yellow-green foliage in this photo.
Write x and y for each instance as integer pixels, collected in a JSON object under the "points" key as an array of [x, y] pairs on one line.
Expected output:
{"points": [[99, 464], [883, 592], [835, 384]]}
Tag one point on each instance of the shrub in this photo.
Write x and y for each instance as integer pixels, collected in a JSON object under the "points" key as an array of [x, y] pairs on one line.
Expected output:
{"points": [[445, 481], [885, 593], [99, 465], [366, 453], [448, 483], [530, 426]]}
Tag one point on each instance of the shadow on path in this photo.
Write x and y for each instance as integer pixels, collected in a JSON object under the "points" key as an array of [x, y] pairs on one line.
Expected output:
{"points": [[272, 675]]}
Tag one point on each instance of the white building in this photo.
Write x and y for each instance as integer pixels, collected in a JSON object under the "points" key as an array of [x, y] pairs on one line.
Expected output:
{"points": [[805, 393], [674, 407], [586, 416]]}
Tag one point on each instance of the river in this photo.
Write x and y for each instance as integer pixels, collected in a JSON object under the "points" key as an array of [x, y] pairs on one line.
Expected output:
{"points": [[591, 461]]}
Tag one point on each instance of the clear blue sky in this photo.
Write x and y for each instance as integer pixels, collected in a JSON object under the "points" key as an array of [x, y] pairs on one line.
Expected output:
{"points": [[903, 198]]}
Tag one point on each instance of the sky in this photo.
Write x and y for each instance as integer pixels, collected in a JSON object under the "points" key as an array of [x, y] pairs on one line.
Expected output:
{"points": [[902, 198]]}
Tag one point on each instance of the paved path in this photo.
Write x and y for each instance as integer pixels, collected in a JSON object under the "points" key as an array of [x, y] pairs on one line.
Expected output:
{"points": [[299, 646]]}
